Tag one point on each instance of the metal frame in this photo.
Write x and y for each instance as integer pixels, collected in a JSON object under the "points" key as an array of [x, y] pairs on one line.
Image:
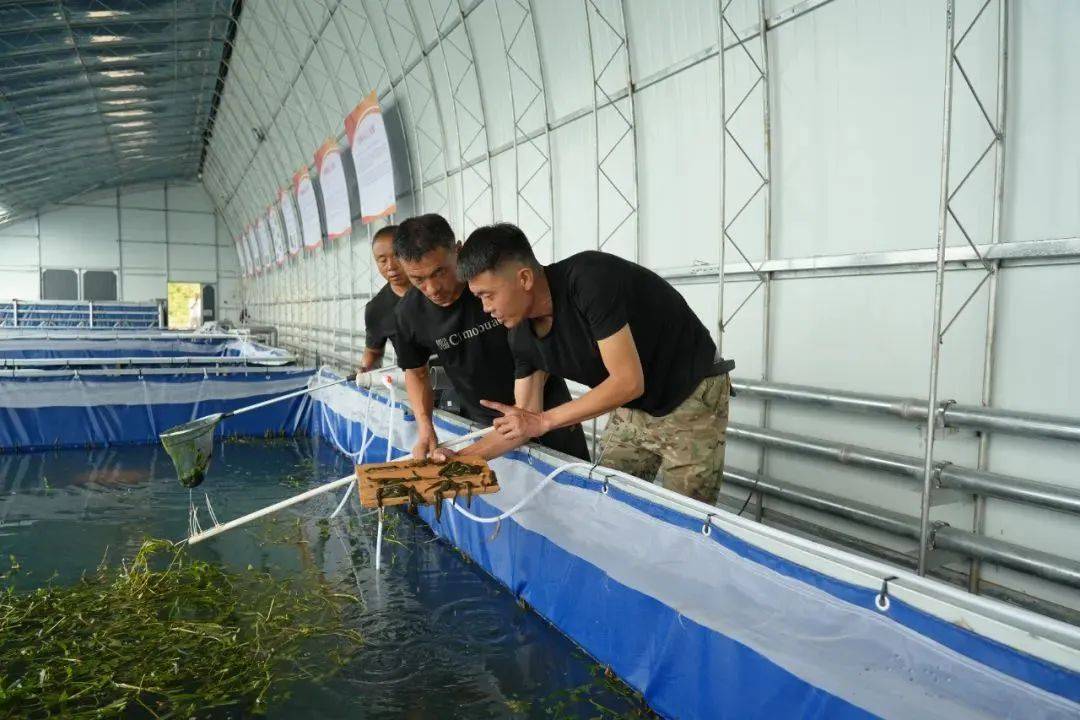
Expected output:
{"points": [[948, 192], [535, 89], [596, 21]]}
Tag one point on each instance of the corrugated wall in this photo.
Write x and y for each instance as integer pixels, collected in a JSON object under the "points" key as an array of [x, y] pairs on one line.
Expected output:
{"points": [[595, 123]]}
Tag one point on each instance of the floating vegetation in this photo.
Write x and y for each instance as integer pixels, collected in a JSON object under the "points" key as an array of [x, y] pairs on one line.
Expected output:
{"points": [[605, 697], [166, 636]]}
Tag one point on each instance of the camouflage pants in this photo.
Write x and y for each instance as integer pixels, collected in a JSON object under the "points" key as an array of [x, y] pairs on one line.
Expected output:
{"points": [[686, 446]]}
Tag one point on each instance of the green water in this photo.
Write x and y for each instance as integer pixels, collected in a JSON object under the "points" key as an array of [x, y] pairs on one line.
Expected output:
{"points": [[441, 639]]}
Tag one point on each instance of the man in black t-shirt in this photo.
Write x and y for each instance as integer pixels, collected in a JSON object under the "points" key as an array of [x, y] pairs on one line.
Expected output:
{"points": [[625, 332], [439, 315], [380, 321]]}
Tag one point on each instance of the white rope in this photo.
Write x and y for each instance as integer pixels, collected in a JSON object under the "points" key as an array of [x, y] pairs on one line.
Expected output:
{"points": [[367, 435], [389, 454], [525, 500], [378, 541], [210, 509], [193, 515]]}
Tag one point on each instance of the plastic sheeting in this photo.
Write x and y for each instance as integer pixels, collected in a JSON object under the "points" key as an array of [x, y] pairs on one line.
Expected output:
{"points": [[709, 625], [97, 409], [37, 347], [44, 314]]}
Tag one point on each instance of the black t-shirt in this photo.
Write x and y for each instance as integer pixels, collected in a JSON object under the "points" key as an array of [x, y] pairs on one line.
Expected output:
{"points": [[593, 296], [472, 347], [380, 321]]}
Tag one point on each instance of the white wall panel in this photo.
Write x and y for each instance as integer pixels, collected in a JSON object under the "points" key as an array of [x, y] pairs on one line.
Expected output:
{"points": [[190, 227], [823, 331], [140, 288], [564, 50], [146, 197], [21, 284], [188, 197], [1043, 177], [144, 255], [19, 250], [682, 153], [857, 128], [665, 33], [142, 225], [572, 148], [22, 229], [79, 236]]}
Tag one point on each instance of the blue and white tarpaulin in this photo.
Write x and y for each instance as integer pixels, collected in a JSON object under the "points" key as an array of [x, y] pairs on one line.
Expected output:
{"points": [[711, 615], [99, 409], [85, 315], [36, 346]]}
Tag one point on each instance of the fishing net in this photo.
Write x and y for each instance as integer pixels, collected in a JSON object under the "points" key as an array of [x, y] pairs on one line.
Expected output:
{"points": [[191, 446]]}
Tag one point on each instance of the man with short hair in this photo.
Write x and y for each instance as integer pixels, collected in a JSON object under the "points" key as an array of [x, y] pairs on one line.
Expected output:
{"points": [[440, 315], [625, 332], [380, 322]]}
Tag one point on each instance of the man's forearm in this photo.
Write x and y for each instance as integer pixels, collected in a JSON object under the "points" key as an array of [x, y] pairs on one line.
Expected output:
{"points": [[605, 397], [421, 396], [491, 446], [371, 360]]}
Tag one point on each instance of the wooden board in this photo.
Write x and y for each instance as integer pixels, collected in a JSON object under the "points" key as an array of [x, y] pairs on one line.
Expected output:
{"points": [[423, 482]]}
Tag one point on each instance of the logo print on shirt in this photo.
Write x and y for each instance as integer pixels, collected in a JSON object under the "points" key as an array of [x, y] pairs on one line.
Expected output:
{"points": [[455, 339]]}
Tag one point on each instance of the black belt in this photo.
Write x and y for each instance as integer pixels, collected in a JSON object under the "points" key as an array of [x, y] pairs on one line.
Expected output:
{"points": [[720, 367]]}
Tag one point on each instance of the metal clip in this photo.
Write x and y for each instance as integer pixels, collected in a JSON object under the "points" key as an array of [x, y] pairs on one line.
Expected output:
{"points": [[881, 600]]}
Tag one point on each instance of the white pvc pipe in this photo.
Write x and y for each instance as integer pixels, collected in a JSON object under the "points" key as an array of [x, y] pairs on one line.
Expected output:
{"points": [[269, 509], [271, 401]]}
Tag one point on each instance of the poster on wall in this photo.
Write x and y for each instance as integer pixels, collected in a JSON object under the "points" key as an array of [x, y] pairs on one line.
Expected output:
{"points": [[292, 229], [262, 236], [253, 250], [335, 193], [277, 234], [241, 254], [370, 148], [308, 206]]}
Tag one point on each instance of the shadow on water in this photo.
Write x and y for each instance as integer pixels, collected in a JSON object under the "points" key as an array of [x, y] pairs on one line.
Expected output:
{"points": [[441, 638]]}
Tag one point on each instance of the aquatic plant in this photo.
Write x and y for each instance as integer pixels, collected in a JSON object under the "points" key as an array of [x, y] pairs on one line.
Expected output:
{"points": [[165, 636]]}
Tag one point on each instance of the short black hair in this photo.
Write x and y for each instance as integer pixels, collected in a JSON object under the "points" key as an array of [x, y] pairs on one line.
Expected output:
{"points": [[489, 247], [387, 231], [419, 235]]}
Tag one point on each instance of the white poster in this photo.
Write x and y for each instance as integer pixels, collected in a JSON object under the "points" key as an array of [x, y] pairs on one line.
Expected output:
{"points": [[253, 250], [262, 235], [292, 230], [308, 205], [277, 234], [370, 149], [241, 254], [335, 193]]}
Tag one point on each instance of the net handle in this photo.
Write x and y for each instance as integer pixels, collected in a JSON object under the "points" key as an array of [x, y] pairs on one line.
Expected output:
{"points": [[297, 393], [303, 391]]}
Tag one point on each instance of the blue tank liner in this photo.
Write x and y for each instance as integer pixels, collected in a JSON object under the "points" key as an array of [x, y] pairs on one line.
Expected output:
{"points": [[34, 346], [716, 625], [101, 409], [707, 615], [60, 314]]}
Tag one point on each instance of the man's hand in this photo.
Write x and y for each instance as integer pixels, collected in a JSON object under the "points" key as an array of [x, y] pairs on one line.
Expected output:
{"points": [[517, 424], [426, 443], [442, 454]]}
